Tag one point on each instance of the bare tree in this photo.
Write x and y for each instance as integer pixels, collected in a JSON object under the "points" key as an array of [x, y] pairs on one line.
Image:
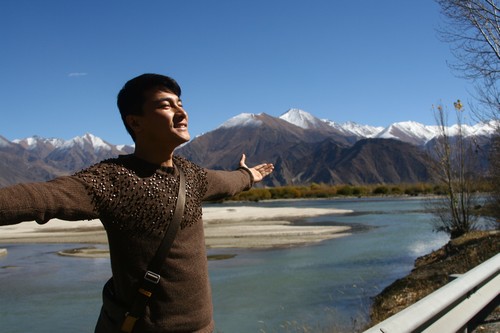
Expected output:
{"points": [[455, 162], [473, 30]]}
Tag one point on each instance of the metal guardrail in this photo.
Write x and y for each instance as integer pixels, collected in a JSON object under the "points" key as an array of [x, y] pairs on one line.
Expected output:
{"points": [[450, 308]]}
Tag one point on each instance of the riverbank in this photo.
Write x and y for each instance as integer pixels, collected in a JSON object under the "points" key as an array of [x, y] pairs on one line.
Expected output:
{"points": [[432, 271], [236, 226]]}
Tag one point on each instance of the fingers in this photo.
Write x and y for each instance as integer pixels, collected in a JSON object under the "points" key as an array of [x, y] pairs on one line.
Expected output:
{"points": [[243, 160], [264, 166], [264, 169], [258, 171]]}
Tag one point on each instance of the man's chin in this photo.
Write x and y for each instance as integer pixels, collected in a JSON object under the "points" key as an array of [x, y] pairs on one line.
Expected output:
{"points": [[184, 138]]}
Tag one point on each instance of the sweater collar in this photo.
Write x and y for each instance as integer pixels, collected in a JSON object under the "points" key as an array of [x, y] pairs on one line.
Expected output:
{"points": [[142, 166]]}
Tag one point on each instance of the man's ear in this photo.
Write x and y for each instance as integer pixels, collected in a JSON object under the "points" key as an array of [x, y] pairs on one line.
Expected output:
{"points": [[134, 122]]}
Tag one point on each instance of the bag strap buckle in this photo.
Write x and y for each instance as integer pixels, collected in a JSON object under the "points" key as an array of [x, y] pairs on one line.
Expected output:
{"points": [[152, 277]]}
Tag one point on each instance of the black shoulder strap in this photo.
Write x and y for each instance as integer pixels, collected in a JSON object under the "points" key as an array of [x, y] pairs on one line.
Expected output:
{"points": [[173, 226], [152, 276]]}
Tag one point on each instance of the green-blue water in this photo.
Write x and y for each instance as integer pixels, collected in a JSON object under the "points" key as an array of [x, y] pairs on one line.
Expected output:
{"points": [[325, 285]]}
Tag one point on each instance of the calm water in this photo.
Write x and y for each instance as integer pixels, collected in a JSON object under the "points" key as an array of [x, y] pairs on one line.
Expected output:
{"points": [[329, 284]]}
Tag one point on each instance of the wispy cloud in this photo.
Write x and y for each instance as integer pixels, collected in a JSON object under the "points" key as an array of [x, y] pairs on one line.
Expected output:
{"points": [[77, 74]]}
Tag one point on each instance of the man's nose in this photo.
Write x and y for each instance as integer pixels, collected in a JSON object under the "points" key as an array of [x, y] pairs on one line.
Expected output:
{"points": [[180, 111]]}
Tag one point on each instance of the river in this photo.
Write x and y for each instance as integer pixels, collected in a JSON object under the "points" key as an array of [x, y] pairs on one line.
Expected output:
{"points": [[315, 288]]}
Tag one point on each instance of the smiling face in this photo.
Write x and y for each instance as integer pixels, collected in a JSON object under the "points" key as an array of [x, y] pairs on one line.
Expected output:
{"points": [[163, 122]]}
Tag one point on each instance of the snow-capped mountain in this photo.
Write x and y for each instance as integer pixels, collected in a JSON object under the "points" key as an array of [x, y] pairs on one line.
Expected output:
{"points": [[408, 131], [88, 140], [354, 129], [306, 120], [243, 119], [302, 119], [37, 158], [303, 148], [37, 141]]}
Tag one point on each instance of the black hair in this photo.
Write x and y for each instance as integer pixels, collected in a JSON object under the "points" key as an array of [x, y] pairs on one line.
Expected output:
{"points": [[132, 96]]}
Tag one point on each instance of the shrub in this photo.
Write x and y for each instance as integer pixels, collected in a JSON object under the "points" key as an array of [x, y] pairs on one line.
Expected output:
{"points": [[382, 189], [345, 190]]}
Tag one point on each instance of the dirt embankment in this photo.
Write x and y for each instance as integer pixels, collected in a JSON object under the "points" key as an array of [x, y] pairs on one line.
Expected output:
{"points": [[432, 271]]}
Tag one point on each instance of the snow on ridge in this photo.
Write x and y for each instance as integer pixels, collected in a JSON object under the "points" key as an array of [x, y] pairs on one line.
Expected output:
{"points": [[84, 141], [97, 142], [301, 118], [411, 129], [32, 142], [479, 129], [485, 128], [363, 130], [87, 139], [122, 148], [352, 128], [243, 119], [306, 120]]}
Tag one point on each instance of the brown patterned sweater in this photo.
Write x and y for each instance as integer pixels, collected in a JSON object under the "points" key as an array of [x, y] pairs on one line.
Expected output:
{"points": [[135, 201]]}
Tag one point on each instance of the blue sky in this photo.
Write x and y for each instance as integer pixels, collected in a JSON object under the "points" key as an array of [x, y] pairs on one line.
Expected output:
{"points": [[371, 62]]}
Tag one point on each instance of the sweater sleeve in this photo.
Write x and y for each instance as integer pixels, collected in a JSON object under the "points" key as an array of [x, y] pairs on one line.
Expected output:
{"points": [[65, 198], [223, 184]]}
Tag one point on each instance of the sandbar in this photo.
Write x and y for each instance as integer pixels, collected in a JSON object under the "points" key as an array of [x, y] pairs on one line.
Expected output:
{"points": [[225, 227]]}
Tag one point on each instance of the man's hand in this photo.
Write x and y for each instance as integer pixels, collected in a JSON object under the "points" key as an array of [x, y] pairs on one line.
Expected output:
{"points": [[259, 171]]}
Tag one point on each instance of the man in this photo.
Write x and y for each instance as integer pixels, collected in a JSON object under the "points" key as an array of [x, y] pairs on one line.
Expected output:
{"points": [[135, 198]]}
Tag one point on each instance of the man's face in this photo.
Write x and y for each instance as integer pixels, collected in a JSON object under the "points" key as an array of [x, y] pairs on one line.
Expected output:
{"points": [[164, 120]]}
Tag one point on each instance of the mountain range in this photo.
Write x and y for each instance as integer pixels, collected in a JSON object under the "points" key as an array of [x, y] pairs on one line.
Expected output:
{"points": [[304, 149]]}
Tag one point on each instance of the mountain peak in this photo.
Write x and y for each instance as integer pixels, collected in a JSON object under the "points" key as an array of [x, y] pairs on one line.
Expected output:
{"points": [[351, 128], [88, 139], [409, 131], [301, 118], [243, 119], [36, 141]]}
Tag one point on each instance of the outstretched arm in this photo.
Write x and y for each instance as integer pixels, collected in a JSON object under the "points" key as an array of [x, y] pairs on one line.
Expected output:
{"points": [[259, 171], [222, 184], [65, 198]]}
